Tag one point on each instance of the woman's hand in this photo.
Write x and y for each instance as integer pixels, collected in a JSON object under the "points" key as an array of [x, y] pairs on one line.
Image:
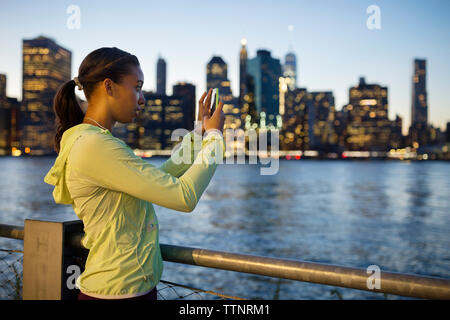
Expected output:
{"points": [[214, 121]]}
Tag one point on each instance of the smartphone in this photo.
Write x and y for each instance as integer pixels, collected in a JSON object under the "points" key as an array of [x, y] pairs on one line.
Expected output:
{"points": [[215, 100], [214, 104]]}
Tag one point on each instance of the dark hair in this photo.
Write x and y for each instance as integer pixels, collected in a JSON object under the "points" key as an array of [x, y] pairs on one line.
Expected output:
{"points": [[98, 65]]}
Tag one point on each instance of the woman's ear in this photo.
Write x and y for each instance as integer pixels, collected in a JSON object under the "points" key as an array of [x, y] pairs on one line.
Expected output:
{"points": [[108, 86]]}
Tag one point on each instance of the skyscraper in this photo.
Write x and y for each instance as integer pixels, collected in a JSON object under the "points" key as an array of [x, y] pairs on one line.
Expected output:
{"points": [[217, 77], [368, 127], [290, 70], [419, 107], [9, 108], [321, 118], [161, 115], [243, 90], [265, 72], [340, 127], [46, 66], [249, 114], [447, 133], [295, 120], [186, 92], [396, 139], [2, 88], [151, 122], [161, 76], [216, 73], [5, 118]]}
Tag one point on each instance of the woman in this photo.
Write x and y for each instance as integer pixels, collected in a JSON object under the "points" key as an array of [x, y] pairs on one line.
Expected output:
{"points": [[110, 188]]}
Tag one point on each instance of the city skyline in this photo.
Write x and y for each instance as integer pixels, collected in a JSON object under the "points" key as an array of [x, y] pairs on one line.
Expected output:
{"points": [[303, 119], [388, 64], [160, 79]]}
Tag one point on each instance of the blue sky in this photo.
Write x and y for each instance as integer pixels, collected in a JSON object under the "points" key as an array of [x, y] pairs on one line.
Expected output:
{"points": [[333, 45]]}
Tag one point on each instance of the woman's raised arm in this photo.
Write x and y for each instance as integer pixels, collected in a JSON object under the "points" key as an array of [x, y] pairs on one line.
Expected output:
{"points": [[113, 165]]}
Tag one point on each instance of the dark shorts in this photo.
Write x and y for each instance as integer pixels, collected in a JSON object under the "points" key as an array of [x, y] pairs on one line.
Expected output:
{"points": [[152, 295]]}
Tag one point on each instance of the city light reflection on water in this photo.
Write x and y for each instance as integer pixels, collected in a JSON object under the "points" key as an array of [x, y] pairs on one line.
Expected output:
{"points": [[392, 214]]}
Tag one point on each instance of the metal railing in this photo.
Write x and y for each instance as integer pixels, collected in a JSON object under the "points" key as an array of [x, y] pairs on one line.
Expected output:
{"points": [[10, 231], [355, 278], [11, 276], [11, 282]]}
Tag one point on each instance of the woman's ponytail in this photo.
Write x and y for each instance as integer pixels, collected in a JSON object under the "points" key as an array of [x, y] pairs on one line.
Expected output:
{"points": [[67, 111]]}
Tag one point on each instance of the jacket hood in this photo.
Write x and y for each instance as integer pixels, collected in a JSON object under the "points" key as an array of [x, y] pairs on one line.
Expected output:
{"points": [[57, 174]]}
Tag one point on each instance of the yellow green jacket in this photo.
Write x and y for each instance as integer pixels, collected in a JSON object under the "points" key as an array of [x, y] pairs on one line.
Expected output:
{"points": [[112, 191]]}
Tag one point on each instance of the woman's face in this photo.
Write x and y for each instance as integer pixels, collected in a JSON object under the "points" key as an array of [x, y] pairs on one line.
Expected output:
{"points": [[129, 99]]}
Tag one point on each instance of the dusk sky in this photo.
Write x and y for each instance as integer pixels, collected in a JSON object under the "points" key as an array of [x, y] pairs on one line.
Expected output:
{"points": [[333, 45]]}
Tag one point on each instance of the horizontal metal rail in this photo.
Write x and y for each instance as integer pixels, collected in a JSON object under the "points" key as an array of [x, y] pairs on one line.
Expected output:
{"points": [[13, 232], [355, 278]]}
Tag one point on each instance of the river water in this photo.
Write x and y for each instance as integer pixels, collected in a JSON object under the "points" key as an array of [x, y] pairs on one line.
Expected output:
{"points": [[395, 215]]}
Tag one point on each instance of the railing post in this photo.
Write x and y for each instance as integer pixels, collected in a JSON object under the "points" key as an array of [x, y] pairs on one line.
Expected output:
{"points": [[47, 255]]}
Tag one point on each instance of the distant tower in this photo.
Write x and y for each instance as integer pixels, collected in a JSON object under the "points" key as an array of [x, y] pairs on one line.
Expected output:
{"points": [[46, 66], [243, 72], [187, 93], [216, 73], [367, 114], [419, 107], [265, 72], [5, 118], [161, 76], [290, 70], [447, 133], [217, 77], [290, 63], [320, 116], [2, 88]]}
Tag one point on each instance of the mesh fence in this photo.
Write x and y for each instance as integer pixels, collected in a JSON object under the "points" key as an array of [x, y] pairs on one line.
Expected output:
{"points": [[175, 291], [11, 262]]}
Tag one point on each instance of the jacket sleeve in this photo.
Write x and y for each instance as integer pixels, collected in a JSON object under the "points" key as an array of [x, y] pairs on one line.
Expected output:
{"points": [[182, 157], [113, 165]]}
